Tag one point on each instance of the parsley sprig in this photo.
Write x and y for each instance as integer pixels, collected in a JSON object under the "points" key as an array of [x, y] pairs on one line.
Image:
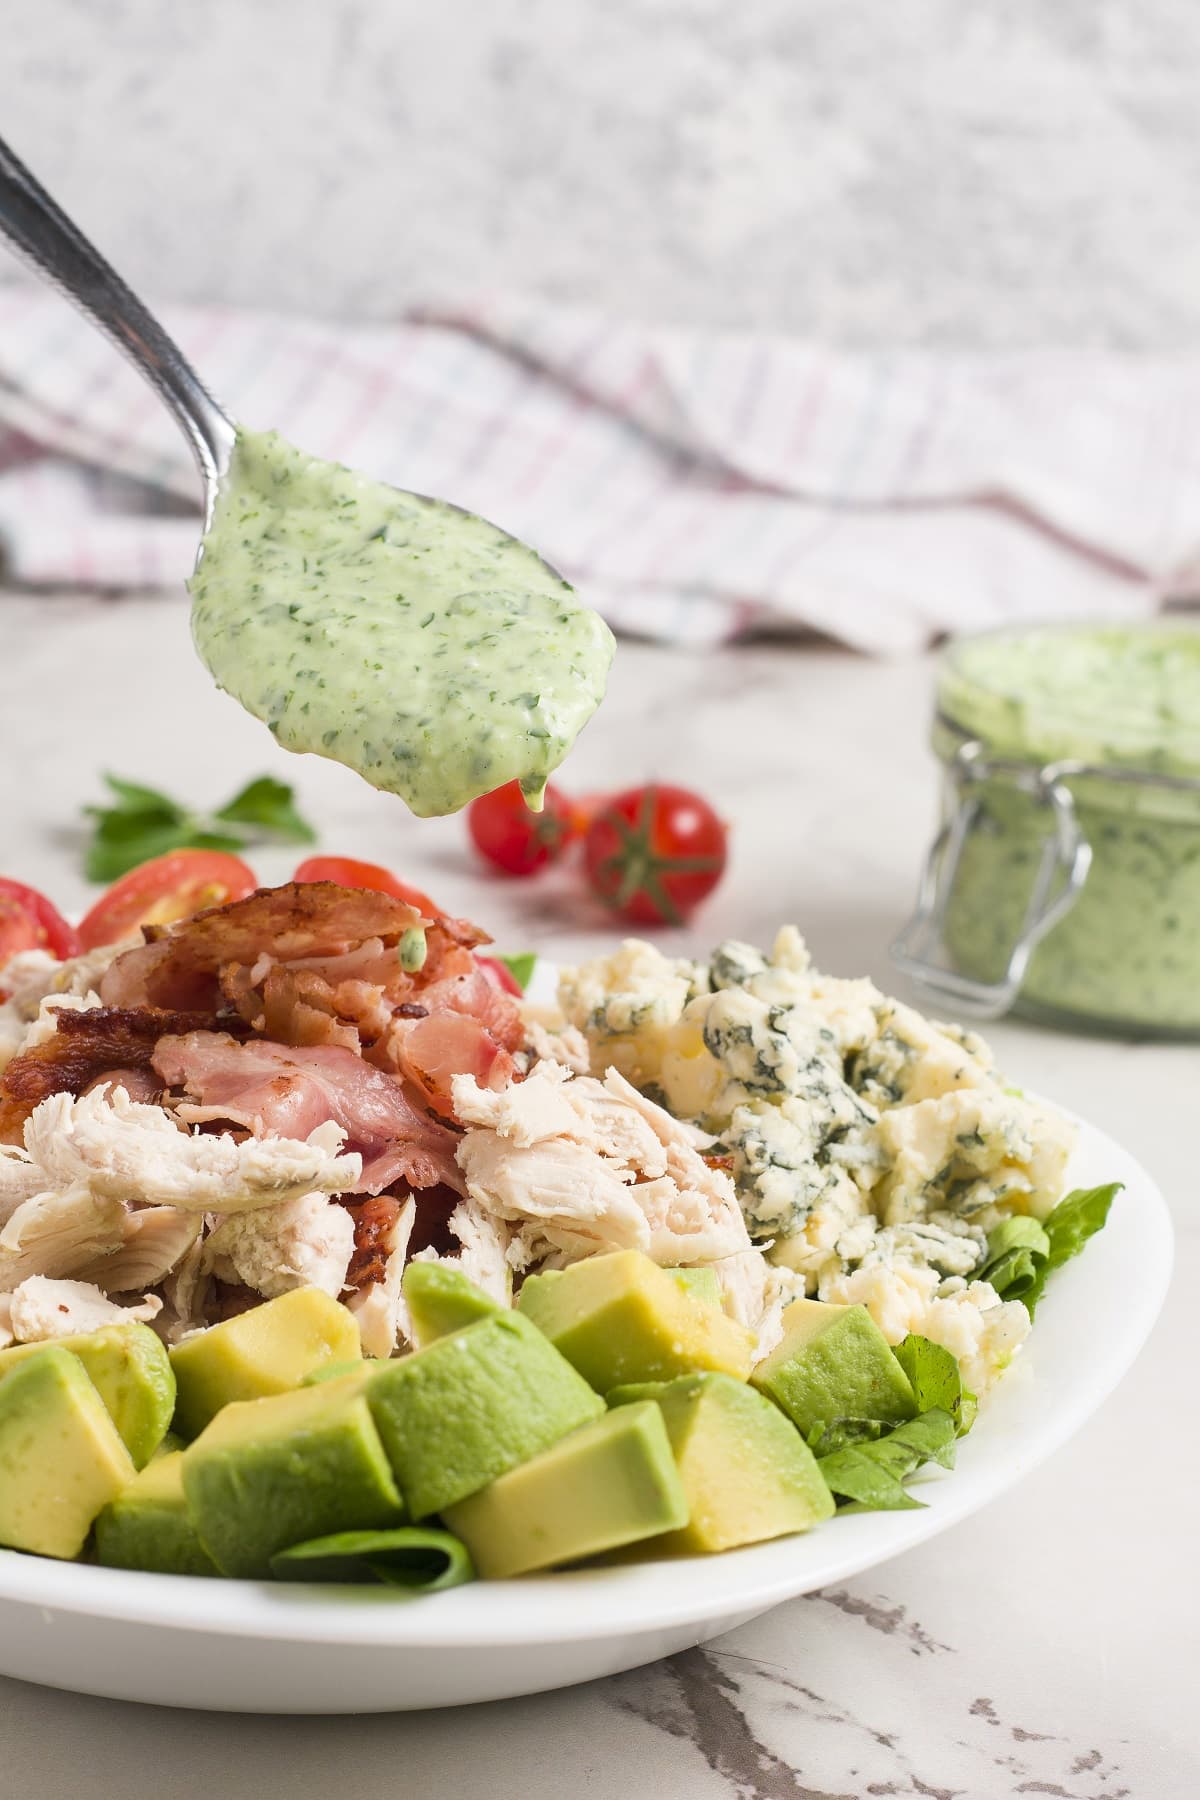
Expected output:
{"points": [[141, 822]]}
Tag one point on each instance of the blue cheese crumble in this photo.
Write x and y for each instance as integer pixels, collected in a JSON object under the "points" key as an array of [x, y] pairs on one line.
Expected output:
{"points": [[872, 1149]]}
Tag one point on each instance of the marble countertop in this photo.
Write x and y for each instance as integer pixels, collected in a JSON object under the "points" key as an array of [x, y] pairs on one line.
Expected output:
{"points": [[1047, 1646]]}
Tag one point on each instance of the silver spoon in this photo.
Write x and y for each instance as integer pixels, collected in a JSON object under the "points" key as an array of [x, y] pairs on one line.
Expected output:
{"points": [[511, 731], [41, 230]]}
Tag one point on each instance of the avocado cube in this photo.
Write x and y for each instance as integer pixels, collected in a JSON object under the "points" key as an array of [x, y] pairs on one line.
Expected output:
{"points": [[612, 1483], [61, 1456], [471, 1406], [702, 1284], [441, 1300], [269, 1473], [834, 1363], [130, 1370], [268, 1350], [619, 1318], [148, 1525], [747, 1473], [333, 1372]]}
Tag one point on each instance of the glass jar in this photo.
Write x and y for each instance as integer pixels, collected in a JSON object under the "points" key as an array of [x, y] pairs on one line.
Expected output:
{"points": [[1065, 879]]}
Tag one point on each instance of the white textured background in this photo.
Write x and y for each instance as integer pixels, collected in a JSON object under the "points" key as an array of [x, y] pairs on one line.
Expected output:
{"points": [[992, 172]]}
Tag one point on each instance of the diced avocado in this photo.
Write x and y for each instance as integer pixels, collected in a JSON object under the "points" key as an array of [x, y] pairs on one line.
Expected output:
{"points": [[148, 1525], [170, 1444], [747, 1473], [441, 1300], [702, 1284], [834, 1363], [334, 1372], [61, 1456], [268, 1350], [620, 1318], [637, 1390], [608, 1485], [278, 1471], [471, 1406], [130, 1370]]}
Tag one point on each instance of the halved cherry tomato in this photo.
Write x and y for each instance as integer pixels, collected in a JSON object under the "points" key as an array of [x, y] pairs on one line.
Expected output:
{"points": [[509, 835], [347, 872], [500, 975], [165, 889], [28, 921], [653, 853]]}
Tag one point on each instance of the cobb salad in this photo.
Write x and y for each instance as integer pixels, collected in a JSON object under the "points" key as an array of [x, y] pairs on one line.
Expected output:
{"points": [[326, 1255]]}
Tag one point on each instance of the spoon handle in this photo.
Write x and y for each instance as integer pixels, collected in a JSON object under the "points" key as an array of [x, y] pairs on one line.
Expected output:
{"points": [[39, 228]]}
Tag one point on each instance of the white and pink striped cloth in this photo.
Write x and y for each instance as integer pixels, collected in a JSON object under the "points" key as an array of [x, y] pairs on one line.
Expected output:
{"points": [[693, 485]]}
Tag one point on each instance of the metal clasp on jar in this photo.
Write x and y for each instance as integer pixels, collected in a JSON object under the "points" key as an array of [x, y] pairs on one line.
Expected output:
{"points": [[1062, 870]]}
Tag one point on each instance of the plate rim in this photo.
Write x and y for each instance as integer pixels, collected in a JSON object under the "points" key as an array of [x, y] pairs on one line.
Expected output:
{"points": [[626, 1600]]}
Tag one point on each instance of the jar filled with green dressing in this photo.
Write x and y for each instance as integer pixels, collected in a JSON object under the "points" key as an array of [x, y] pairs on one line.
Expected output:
{"points": [[1065, 879]]}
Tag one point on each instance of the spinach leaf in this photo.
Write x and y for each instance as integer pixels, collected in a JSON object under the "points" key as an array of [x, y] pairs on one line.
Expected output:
{"points": [[936, 1380], [520, 967], [1017, 1252], [1076, 1218], [870, 1476]]}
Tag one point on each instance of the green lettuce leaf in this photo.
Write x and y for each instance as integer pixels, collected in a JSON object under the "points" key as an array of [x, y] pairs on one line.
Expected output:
{"points": [[1078, 1216], [870, 1476], [520, 967], [1017, 1252], [936, 1380], [837, 1434], [413, 1557]]}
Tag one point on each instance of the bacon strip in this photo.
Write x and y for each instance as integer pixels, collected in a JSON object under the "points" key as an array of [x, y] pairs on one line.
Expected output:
{"points": [[86, 1044], [373, 1221], [285, 1091]]}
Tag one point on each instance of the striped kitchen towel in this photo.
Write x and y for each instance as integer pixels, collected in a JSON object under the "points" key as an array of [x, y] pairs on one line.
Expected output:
{"points": [[694, 485]]}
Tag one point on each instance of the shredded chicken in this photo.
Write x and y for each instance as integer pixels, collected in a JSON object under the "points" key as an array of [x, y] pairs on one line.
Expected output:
{"points": [[154, 1240], [482, 1257], [114, 1148], [303, 1242], [579, 1165], [58, 1232], [20, 1179], [39, 1309]]}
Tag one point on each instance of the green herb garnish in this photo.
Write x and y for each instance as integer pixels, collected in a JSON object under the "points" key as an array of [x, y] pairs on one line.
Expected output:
{"points": [[870, 1476], [1078, 1216], [143, 822], [520, 967], [936, 1380]]}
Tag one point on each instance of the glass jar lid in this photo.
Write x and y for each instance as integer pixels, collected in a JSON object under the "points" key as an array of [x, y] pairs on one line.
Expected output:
{"points": [[1108, 696]]}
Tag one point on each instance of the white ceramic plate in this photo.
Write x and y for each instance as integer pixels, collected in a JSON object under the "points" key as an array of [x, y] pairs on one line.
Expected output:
{"points": [[248, 1647]]}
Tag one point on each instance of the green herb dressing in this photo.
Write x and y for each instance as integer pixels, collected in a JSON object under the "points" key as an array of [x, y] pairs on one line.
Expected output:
{"points": [[1125, 702], [414, 642]]}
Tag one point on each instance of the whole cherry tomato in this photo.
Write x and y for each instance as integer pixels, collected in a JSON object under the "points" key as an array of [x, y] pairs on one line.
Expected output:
{"points": [[653, 853], [512, 837]]}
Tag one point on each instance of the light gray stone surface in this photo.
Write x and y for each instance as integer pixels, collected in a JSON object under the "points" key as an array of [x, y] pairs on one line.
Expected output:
{"points": [[995, 173], [1047, 1646]]}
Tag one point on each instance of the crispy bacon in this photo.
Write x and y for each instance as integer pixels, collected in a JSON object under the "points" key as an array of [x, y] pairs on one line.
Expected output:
{"points": [[308, 963], [297, 920], [373, 1221], [87, 1043], [286, 1091], [433, 1050]]}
